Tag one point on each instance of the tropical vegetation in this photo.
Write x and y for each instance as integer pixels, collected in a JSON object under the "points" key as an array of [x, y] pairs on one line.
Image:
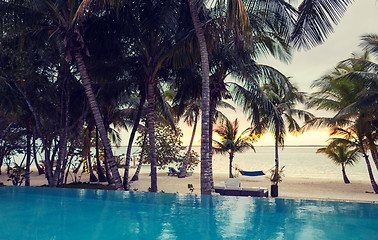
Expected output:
{"points": [[350, 92], [74, 72]]}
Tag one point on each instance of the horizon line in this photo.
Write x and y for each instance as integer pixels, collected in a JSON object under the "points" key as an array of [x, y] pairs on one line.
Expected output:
{"points": [[306, 145]]}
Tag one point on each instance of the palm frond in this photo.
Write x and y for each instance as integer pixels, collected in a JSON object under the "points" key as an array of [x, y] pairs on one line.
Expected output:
{"points": [[315, 21]]}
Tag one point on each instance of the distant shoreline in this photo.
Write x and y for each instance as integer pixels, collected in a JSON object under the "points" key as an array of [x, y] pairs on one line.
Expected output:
{"points": [[255, 146]]}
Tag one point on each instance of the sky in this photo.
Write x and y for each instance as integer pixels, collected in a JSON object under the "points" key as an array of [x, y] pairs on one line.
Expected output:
{"points": [[306, 66]]}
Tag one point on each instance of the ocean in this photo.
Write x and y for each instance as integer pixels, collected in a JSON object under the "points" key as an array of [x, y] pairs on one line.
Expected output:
{"points": [[299, 161]]}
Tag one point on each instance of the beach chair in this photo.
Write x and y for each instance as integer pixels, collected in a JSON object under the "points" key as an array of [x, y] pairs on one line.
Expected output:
{"points": [[232, 187], [187, 173], [172, 172]]}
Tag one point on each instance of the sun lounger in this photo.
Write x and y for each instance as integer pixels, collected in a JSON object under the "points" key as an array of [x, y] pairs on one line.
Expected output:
{"points": [[187, 173], [232, 188], [172, 171], [232, 183]]}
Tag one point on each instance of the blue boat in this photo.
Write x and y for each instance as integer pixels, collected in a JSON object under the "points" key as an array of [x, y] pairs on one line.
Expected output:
{"points": [[251, 173]]}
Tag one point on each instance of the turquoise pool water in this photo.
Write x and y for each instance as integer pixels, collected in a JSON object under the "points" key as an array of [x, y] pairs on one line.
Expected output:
{"points": [[59, 214]]}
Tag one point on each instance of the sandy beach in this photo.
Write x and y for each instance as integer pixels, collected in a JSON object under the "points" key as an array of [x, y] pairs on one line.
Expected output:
{"points": [[297, 188]]}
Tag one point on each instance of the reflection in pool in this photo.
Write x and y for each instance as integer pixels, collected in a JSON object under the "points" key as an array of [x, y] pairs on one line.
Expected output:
{"points": [[45, 213]]}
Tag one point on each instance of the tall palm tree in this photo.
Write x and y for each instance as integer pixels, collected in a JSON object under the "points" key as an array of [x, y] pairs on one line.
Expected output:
{"points": [[341, 154], [154, 31], [205, 102], [284, 100], [312, 24], [231, 142]]}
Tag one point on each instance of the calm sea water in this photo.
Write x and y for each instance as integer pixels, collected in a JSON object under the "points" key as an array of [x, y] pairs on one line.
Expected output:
{"points": [[36, 213], [301, 162]]}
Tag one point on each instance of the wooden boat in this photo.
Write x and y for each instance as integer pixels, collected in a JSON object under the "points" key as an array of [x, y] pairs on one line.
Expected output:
{"points": [[251, 173]]}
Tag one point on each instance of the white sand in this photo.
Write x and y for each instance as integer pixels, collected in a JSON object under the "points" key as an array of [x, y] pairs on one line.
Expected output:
{"points": [[300, 188]]}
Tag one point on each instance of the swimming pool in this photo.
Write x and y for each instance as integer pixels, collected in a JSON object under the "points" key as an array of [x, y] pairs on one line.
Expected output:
{"points": [[59, 214]]}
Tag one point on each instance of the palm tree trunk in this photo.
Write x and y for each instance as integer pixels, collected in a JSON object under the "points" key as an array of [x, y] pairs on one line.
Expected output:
{"points": [[48, 162], [186, 160], [100, 173], [230, 167], [276, 154], [136, 174], [213, 104], [64, 177], [62, 153], [28, 157], [374, 153], [92, 177], [40, 170], [205, 145], [372, 180], [98, 119], [109, 177], [48, 166], [151, 134], [131, 140], [346, 180], [3, 138]]}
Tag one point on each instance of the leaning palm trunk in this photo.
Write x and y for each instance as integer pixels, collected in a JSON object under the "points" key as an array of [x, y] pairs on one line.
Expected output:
{"points": [[372, 180], [136, 174], [205, 144], [131, 140], [98, 119], [374, 153], [186, 160], [101, 176], [346, 180], [151, 134], [92, 177]]}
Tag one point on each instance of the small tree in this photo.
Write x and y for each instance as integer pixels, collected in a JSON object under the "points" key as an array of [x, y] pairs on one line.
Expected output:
{"points": [[341, 154], [169, 149], [230, 142]]}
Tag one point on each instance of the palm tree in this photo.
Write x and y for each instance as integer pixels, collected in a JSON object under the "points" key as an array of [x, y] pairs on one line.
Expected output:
{"points": [[284, 100], [349, 91], [354, 135], [64, 20], [231, 142], [343, 92], [341, 154], [205, 102], [370, 44], [191, 117], [312, 25]]}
